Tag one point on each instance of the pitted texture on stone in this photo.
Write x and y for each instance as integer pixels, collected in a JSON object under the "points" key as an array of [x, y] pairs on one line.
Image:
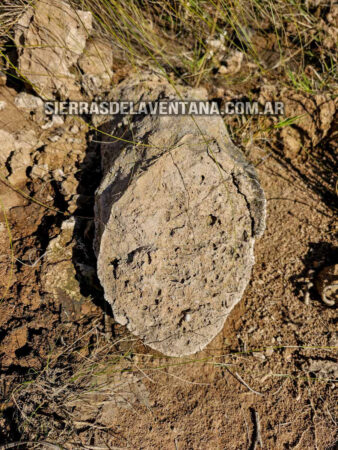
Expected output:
{"points": [[175, 228]]}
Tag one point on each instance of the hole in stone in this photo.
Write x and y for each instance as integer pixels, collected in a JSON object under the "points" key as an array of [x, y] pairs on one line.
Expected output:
{"points": [[211, 219], [115, 264]]}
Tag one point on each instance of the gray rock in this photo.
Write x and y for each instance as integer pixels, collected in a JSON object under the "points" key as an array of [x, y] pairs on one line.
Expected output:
{"points": [[96, 65], [177, 214], [50, 38], [28, 102]]}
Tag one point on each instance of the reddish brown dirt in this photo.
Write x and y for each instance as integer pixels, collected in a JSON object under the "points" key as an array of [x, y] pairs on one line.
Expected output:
{"points": [[201, 405]]}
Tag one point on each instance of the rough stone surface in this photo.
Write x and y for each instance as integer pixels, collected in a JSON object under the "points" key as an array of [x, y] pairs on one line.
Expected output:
{"points": [[28, 102], [96, 64], [176, 218], [50, 38], [16, 150], [59, 277], [7, 141], [28, 153]]}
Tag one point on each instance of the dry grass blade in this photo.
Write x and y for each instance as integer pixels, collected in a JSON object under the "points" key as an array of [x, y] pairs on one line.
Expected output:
{"points": [[240, 379]]}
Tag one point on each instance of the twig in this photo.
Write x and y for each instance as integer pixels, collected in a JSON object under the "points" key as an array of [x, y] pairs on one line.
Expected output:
{"points": [[258, 430], [147, 376], [23, 414], [33, 264], [280, 387], [176, 445], [240, 379], [256, 436]]}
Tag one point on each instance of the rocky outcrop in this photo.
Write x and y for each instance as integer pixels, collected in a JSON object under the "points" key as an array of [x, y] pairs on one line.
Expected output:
{"points": [[177, 214], [17, 146], [50, 38], [43, 150], [56, 55], [96, 67]]}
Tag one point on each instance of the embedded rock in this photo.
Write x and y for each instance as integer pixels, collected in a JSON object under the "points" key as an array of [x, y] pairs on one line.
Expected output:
{"points": [[327, 284], [28, 102], [59, 275], [177, 214]]}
